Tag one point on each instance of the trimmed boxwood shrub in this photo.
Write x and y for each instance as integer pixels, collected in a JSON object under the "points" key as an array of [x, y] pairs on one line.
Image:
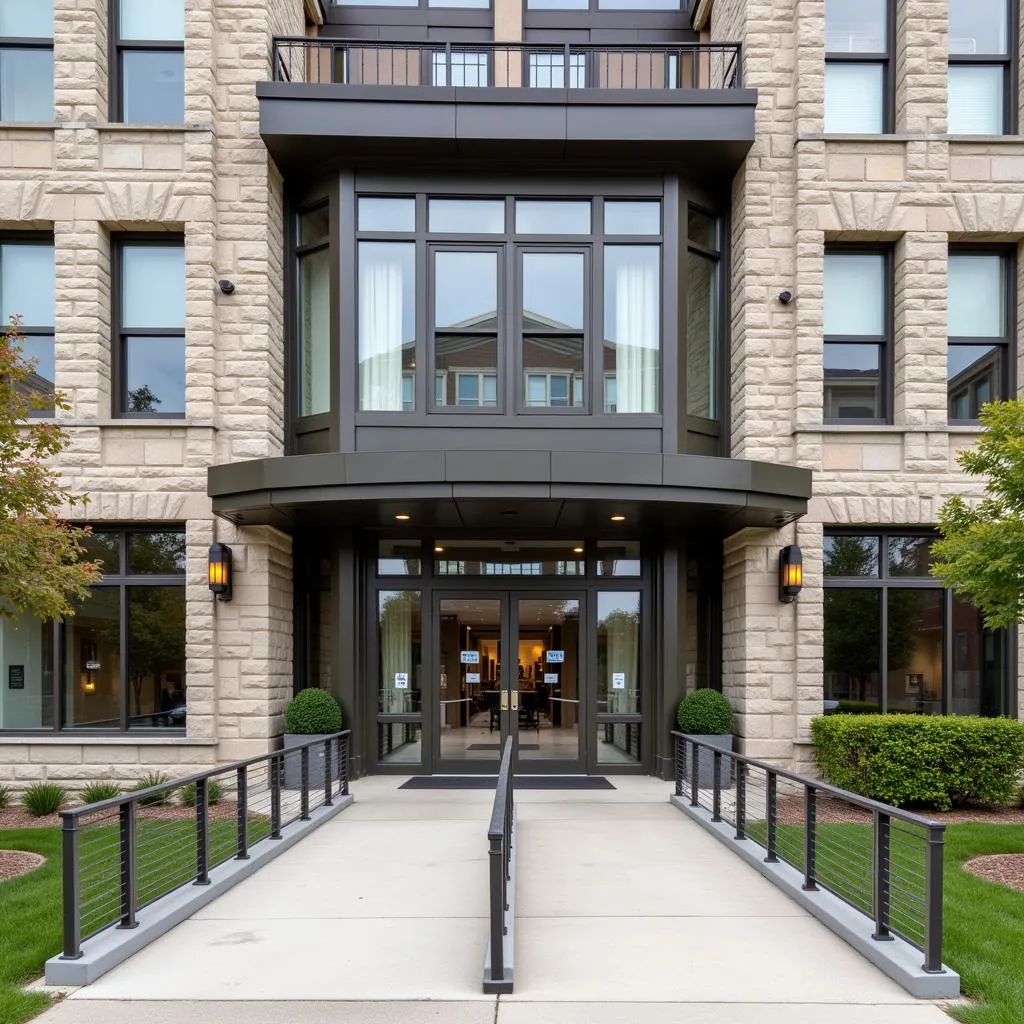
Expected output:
{"points": [[705, 713], [921, 761], [313, 711]]}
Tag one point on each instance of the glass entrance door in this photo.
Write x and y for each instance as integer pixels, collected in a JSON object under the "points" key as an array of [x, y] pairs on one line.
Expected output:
{"points": [[509, 664]]}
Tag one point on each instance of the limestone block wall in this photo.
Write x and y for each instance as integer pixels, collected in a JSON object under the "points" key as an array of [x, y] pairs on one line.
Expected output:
{"points": [[86, 179], [917, 191]]}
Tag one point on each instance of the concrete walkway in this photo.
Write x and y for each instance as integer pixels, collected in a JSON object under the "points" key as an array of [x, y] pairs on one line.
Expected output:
{"points": [[627, 911]]}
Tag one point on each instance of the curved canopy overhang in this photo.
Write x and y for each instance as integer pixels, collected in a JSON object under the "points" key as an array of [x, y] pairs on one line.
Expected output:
{"points": [[549, 490]]}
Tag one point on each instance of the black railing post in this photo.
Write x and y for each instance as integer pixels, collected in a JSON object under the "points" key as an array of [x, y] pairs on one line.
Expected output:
{"points": [[343, 763], [933, 901], [304, 772], [328, 776], [810, 837], [694, 771], [740, 769], [275, 796], [771, 816], [716, 793], [496, 857], [202, 834], [128, 876], [680, 762], [882, 827], [242, 797], [72, 888]]}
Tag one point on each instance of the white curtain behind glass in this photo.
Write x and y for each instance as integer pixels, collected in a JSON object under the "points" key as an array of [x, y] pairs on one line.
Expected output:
{"points": [[380, 326], [396, 615], [316, 333], [637, 325]]}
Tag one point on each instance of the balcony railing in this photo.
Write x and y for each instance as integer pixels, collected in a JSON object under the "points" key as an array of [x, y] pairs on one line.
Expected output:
{"points": [[539, 67]]}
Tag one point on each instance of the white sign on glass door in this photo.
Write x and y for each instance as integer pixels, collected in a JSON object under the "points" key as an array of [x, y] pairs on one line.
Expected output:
{"points": [[469, 657], [472, 677], [555, 656], [618, 680], [401, 680]]}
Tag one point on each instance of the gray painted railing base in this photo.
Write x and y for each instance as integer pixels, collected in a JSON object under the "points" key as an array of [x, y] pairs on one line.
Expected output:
{"points": [[105, 951], [898, 959], [507, 983]]}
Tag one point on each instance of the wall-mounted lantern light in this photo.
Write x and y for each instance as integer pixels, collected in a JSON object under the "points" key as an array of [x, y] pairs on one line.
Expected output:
{"points": [[791, 573], [220, 571]]}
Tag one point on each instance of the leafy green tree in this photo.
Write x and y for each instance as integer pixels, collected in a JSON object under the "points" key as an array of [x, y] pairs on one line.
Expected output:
{"points": [[981, 553], [40, 568]]}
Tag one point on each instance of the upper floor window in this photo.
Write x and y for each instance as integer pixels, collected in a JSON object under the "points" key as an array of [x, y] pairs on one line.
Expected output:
{"points": [[150, 61], [979, 359], [27, 291], [26, 60], [857, 66], [858, 330], [702, 305], [471, 4], [314, 329], [150, 315], [605, 5], [981, 97], [515, 305]]}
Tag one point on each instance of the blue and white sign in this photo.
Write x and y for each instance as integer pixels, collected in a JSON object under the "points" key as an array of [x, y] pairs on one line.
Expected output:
{"points": [[469, 657], [555, 656], [551, 677], [472, 677], [401, 680]]}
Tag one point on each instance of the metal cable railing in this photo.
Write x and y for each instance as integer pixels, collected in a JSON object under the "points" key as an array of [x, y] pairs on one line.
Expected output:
{"points": [[535, 66], [497, 976], [124, 854], [883, 861]]}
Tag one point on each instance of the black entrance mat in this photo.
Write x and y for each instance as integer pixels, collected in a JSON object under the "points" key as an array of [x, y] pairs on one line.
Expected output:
{"points": [[497, 746], [522, 782]]}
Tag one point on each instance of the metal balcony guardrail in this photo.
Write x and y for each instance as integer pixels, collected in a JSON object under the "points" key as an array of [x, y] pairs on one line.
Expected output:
{"points": [[500, 839], [882, 861], [534, 66], [124, 854]]}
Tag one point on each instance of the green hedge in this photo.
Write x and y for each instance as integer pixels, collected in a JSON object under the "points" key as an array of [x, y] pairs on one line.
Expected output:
{"points": [[923, 761]]}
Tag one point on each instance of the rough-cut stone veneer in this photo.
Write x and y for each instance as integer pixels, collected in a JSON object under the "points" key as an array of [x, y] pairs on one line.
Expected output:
{"points": [[211, 180], [799, 190]]}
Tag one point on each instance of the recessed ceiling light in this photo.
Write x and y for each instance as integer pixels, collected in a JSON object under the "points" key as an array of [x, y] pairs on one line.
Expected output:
{"points": [[618, 519], [577, 551], [403, 518], [439, 548]]}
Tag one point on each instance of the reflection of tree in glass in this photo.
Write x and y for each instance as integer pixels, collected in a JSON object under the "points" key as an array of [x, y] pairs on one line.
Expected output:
{"points": [[909, 556], [156, 638], [851, 556], [142, 399], [157, 554]]}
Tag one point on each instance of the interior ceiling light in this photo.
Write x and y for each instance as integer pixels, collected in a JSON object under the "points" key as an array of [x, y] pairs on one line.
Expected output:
{"points": [[618, 519], [402, 517], [438, 548], [577, 551]]}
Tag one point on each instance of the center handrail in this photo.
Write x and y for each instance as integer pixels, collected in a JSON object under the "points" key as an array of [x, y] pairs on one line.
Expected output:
{"points": [[497, 965]]}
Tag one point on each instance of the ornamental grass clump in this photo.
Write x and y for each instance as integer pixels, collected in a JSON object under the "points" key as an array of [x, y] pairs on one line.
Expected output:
{"points": [[214, 793], [96, 792], [705, 713], [313, 712], [43, 798]]}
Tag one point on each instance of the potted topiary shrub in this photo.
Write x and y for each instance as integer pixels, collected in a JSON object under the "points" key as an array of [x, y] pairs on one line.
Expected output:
{"points": [[707, 716], [312, 715]]}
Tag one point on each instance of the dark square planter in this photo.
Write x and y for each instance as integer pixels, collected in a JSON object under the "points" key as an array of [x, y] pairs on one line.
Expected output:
{"points": [[706, 760], [293, 762]]}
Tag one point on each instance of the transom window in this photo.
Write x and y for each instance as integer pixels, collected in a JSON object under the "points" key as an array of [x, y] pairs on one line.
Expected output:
{"points": [[980, 68], [26, 60], [857, 66], [896, 640], [480, 254], [979, 357]]}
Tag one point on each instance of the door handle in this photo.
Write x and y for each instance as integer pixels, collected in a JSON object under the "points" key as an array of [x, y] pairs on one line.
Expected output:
{"points": [[504, 700], [515, 700]]}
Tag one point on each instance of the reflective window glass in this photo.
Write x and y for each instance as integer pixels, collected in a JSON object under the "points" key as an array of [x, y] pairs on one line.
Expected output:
{"points": [[315, 225], [914, 675], [378, 213], [399, 651], [152, 286], [975, 99], [398, 558], [156, 553], [702, 228], [853, 382], [154, 376], [400, 743], [851, 555], [632, 217], [314, 332], [977, 295], [466, 216], [465, 289], [855, 289], [29, 19], [26, 84], [92, 652], [618, 558], [152, 86], [852, 650], [552, 217], [27, 283], [632, 326], [978, 27], [702, 336], [553, 290], [152, 20], [26, 673], [156, 657], [618, 652], [856, 26], [974, 376], [910, 556], [104, 548], [854, 98], [509, 558]]}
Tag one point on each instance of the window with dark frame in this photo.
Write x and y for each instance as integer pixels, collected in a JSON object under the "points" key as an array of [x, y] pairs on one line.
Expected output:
{"points": [[897, 641], [980, 357], [120, 659], [313, 256], [858, 66], [982, 99], [632, 6], [26, 61], [28, 292], [702, 308], [858, 336], [149, 307], [475, 5], [149, 61]]}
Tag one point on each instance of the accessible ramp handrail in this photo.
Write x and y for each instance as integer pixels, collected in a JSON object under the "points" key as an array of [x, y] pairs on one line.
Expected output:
{"points": [[498, 969], [126, 853], [883, 861]]}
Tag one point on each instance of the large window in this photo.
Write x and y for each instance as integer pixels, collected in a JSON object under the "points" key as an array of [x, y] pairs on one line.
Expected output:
{"points": [[314, 284], [857, 333], [857, 66], [150, 307], [896, 641], [702, 303], [582, 278], [979, 359], [150, 61], [27, 291], [982, 100], [121, 657], [26, 60]]}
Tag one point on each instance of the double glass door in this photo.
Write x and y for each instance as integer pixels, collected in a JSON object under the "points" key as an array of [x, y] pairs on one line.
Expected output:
{"points": [[509, 664]]}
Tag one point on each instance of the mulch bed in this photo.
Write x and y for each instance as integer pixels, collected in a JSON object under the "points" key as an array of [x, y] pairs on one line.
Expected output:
{"points": [[18, 817], [834, 812], [18, 862], [1004, 868]]}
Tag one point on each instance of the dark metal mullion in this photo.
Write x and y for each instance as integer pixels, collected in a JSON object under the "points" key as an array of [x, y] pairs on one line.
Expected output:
{"points": [[883, 647], [123, 601], [947, 651]]}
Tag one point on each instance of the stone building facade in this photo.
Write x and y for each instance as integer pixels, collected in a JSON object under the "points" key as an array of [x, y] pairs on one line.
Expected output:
{"points": [[230, 185]]}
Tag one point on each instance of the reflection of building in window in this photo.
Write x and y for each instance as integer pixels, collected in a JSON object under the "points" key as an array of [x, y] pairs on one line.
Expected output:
{"points": [[851, 394], [974, 385]]}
